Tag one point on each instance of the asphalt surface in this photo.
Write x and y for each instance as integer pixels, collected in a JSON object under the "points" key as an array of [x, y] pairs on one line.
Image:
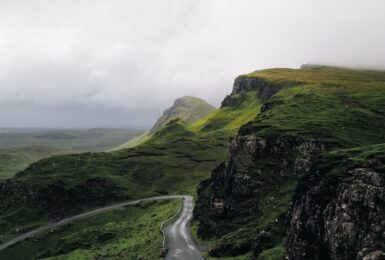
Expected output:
{"points": [[179, 241], [176, 234]]}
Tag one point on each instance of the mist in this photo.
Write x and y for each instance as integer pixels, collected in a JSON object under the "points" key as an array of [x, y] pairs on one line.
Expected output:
{"points": [[118, 63]]}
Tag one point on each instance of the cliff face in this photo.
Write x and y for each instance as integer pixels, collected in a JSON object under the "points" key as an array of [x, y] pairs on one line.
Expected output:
{"points": [[246, 190], [263, 88], [338, 216]]}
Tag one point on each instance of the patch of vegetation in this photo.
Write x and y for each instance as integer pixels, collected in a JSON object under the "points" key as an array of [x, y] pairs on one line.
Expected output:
{"points": [[130, 232], [338, 162], [230, 118], [275, 253], [135, 141]]}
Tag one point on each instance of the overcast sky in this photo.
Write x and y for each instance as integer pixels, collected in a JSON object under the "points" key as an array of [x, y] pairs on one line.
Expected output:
{"points": [[79, 63]]}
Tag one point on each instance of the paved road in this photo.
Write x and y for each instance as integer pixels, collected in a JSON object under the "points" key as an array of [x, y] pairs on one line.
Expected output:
{"points": [[178, 236]]}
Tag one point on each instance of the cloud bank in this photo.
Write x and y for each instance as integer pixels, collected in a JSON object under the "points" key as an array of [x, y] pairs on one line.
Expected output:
{"points": [[89, 63]]}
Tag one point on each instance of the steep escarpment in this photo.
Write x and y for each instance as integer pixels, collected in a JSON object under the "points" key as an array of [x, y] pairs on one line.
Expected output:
{"points": [[243, 84], [252, 204], [244, 203]]}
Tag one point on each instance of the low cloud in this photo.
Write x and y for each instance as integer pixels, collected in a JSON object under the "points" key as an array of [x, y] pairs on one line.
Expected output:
{"points": [[120, 63]]}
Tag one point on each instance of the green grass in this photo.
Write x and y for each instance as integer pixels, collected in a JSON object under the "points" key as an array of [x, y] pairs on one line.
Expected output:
{"points": [[275, 253], [135, 141], [230, 118], [338, 162], [130, 232], [325, 112]]}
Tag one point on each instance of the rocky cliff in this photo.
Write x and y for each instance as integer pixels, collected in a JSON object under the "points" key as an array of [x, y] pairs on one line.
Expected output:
{"points": [[338, 209], [271, 199], [242, 84]]}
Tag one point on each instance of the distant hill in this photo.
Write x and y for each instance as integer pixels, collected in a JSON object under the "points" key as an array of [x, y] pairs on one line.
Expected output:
{"points": [[187, 108], [20, 147]]}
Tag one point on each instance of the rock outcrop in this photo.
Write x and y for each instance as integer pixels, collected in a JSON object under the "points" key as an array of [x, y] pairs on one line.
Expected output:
{"points": [[338, 217], [263, 88]]}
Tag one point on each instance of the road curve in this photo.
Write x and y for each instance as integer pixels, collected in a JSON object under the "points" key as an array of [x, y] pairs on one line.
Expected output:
{"points": [[66, 220], [179, 242]]}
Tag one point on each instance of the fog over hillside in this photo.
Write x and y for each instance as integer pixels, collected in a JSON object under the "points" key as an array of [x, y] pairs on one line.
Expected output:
{"points": [[90, 63]]}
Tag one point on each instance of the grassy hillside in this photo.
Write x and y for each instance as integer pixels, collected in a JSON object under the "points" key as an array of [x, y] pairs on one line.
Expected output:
{"points": [[21, 147], [330, 103], [130, 232], [174, 160]]}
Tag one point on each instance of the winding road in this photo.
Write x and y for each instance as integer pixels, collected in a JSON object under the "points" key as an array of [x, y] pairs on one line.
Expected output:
{"points": [[179, 242], [178, 236]]}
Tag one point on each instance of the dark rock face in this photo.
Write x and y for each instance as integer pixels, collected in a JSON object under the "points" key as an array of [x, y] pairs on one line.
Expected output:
{"points": [[264, 89], [338, 218], [253, 166]]}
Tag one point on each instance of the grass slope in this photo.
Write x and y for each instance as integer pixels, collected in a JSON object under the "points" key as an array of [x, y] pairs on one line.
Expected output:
{"points": [[187, 108], [329, 103], [130, 232], [135, 141]]}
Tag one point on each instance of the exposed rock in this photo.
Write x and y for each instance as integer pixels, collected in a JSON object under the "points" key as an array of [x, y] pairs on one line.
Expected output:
{"points": [[376, 255], [254, 166], [266, 106], [263, 88], [337, 218]]}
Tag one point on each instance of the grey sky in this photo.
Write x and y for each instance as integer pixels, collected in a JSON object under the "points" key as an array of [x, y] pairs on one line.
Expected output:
{"points": [[121, 62]]}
